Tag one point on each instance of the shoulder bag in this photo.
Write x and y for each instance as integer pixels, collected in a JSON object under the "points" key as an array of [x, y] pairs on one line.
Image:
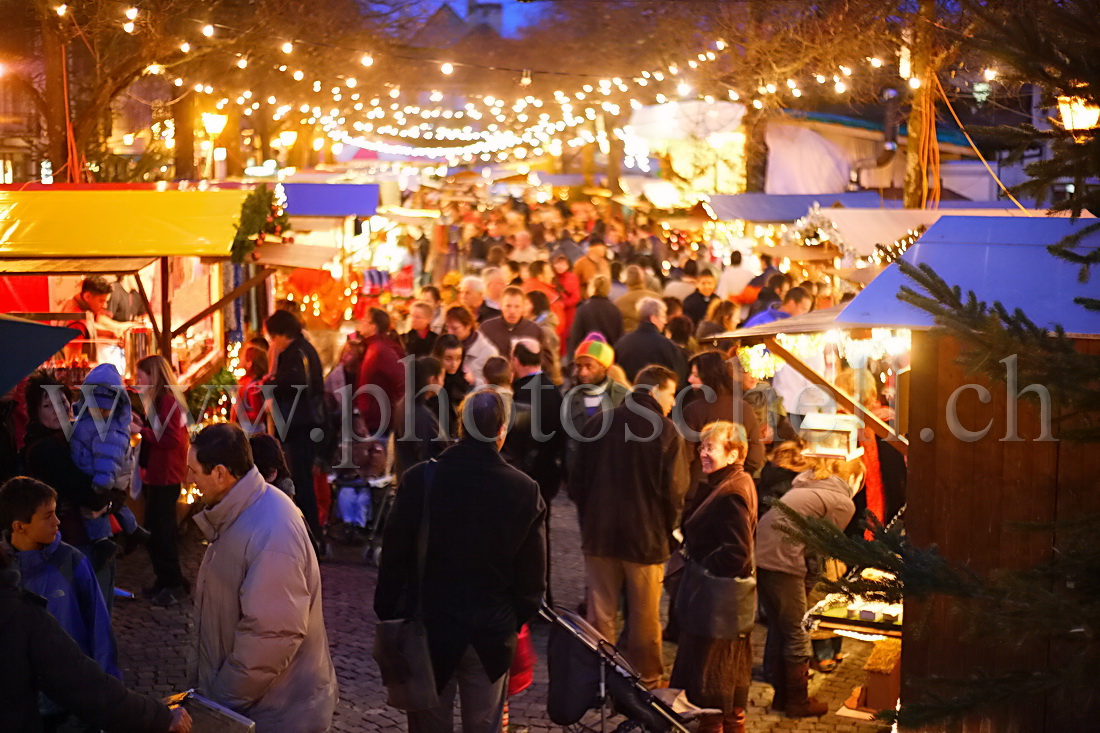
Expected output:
{"points": [[710, 605], [401, 645]]}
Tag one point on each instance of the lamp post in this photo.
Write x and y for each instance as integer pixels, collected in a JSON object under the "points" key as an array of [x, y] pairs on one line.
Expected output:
{"points": [[287, 138], [1078, 115], [214, 124]]}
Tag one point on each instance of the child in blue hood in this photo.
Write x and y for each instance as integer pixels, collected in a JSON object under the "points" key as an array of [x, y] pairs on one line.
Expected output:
{"points": [[101, 448], [56, 571]]}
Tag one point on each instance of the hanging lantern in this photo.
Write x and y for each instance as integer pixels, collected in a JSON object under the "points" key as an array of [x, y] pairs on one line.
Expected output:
{"points": [[1078, 115]]}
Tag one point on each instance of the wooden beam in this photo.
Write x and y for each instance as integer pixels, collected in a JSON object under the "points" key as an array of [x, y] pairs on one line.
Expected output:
{"points": [[877, 426], [148, 308], [165, 340], [229, 297]]}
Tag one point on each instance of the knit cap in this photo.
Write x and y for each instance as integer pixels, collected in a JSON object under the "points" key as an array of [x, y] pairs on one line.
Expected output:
{"points": [[598, 350]]}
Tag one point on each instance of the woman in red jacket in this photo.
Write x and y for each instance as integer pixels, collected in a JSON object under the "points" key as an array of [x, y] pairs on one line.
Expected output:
{"points": [[569, 291], [164, 446]]}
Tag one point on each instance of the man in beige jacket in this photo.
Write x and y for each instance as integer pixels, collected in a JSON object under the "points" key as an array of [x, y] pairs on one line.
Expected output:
{"points": [[263, 650]]}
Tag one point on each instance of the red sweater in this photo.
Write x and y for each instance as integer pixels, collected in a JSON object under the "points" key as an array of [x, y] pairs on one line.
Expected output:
{"points": [[381, 367], [165, 458]]}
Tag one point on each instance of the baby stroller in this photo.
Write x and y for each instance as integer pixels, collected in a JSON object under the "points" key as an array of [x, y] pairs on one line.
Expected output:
{"points": [[587, 672], [384, 495]]}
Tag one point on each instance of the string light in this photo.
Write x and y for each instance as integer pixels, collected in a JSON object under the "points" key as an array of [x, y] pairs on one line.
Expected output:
{"points": [[447, 68], [914, 82], [61, 10], [128, 26], [288, 47], [242, 63], [990, 74], [367, 60], [185, 47], [131, 13], [208, 30]]}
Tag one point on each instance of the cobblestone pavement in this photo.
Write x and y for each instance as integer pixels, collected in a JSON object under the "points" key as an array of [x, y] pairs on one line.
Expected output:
{"points": [[156, 646]]}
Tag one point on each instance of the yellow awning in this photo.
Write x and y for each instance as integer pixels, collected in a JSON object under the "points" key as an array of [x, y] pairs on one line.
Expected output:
{"points": [[130, 224]]}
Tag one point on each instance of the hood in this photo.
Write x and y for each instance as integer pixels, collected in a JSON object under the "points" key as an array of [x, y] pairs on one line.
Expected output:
{"points": [[106, 386], [30, 561], [806, 480]]}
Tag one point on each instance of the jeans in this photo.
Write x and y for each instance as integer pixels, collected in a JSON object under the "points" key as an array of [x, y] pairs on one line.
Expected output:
{"points": [[99, 528], [783, 598], [300, 452], [163, 546], [482, 701], [355, 505], [641, 643]]}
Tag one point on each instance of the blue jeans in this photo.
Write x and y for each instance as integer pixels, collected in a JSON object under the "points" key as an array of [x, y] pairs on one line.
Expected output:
{"points": [[99, 528]]}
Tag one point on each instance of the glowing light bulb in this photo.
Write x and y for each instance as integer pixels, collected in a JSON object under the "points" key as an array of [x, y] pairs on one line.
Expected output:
{"points": [[367, 60], [242, 63], [61, 9], [447, 68], [990, 74], [298, 75], [877, 63], [914, 82], [683, 89], [128, 26], [350, 82], [288, 47], [758, 104], [185, 47], [840, 87], [208, 30]]}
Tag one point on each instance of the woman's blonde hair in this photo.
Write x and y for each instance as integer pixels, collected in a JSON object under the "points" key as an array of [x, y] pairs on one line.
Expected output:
{"points": [[730, 434], [789, 455], [164, 380], [826, 467], [859, 384]]}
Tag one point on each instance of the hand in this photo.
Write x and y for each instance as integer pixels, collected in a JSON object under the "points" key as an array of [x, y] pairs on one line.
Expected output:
{"points": [[181, 721]]}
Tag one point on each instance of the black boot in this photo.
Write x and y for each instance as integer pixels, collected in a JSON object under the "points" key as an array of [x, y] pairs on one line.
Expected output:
{"points": [[103, 551], [135, 539]]}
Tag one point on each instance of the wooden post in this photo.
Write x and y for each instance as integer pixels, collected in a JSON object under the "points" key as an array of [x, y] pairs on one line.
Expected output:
{"points": [[165, 312], [877, 426]]}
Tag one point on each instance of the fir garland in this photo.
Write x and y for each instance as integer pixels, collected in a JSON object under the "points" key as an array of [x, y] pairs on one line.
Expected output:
{"points": [[263, 213]]}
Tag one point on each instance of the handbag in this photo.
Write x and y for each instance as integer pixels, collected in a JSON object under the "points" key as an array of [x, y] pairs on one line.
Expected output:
{"points": [[401, 645], [713, 606]]}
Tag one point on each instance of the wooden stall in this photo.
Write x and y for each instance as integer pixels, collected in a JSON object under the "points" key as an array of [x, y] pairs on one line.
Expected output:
{"points": [[970, 481]]}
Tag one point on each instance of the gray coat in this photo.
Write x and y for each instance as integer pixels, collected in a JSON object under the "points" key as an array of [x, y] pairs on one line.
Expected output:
{"points": [[828, 498], [263, 650]]}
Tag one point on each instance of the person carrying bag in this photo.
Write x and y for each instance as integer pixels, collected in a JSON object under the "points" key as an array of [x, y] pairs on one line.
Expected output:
{"points": [[716, 600], [401, 645]]}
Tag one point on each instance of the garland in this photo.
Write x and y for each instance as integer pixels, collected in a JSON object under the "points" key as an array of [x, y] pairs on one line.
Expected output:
{"points": [[263, 218]]}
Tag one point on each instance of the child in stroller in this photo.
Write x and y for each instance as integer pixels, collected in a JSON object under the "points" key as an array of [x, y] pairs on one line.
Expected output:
{"points": [[353, 488]]}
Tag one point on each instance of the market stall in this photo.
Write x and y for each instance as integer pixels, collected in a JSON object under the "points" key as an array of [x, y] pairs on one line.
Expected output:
{"points": [[159, 241], [982, 462]]}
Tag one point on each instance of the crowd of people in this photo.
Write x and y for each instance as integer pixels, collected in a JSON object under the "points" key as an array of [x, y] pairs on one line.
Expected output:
{"points": [[566, 358]]}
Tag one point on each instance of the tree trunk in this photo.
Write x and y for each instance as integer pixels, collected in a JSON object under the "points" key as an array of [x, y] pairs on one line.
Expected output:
{"points": [[57, 144], [262, 131], [183, 116], [588, 162], [916, 174], [614, 158], [756, 150], [231, 141]]}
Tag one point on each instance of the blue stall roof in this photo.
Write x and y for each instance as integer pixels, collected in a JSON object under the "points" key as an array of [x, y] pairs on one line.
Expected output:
{"points": [[770, 207], [1001, 259], [331, 199]]}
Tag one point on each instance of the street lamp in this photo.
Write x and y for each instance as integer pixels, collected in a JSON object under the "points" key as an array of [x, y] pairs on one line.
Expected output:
{"points": [[214, 124], [1078, 114]]}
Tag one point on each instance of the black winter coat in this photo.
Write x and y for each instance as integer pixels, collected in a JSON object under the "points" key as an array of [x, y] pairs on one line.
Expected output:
{"points": [[48, 458], [539, 459], [646, 345], [290, 372], [426, 438], [629, 493], [39, 656], [486, 561], [595, 314]]}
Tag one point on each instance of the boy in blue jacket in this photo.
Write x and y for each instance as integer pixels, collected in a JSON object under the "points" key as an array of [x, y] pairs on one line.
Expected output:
{"points": [[102, 449], [56, 571]]}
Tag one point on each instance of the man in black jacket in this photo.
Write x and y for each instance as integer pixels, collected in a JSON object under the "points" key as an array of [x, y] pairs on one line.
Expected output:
{"points": [[647, 344], [629, 488], [299, 387], [484, 569], [597, 314], [39, 656]]}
